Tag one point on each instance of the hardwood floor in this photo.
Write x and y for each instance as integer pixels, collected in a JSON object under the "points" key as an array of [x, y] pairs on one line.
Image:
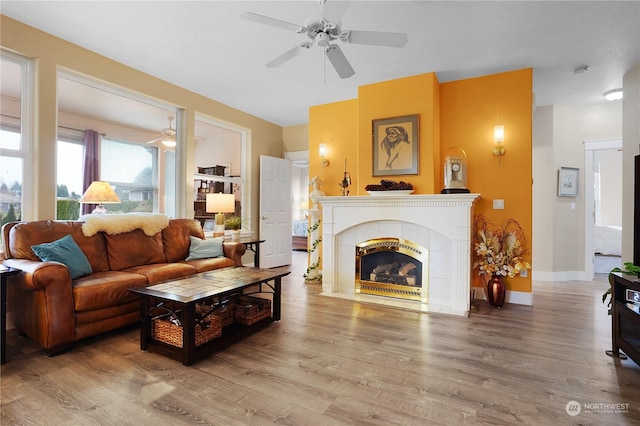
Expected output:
{"points": [[331, 362]]}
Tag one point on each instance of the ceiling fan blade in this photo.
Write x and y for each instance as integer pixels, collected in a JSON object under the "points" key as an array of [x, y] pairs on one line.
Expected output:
{"points": [[288, 55], [375, 38], [339, 61], [261, 19], [334, 10]]}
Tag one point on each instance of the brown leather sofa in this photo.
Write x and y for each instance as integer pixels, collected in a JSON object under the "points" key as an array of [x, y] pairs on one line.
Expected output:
{"points": [[55, 311]]}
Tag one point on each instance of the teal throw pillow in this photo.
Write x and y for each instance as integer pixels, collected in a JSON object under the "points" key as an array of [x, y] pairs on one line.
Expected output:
{"points": [[203, 249], [65, 250]]}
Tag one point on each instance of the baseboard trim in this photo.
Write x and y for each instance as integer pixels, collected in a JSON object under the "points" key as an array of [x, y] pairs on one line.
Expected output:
{"points": [[560, 276], [515, 297]]}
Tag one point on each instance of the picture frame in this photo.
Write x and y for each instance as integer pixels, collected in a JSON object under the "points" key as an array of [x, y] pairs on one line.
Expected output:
{"points": [[568, 178], [395, 143], [209, 225]]}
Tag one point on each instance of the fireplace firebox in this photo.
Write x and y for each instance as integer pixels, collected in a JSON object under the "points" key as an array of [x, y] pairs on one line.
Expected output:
{"points": [[392, 267]]}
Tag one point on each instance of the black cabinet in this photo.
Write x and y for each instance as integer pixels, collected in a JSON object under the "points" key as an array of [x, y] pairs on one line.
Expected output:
{"points": [[625, 316]]}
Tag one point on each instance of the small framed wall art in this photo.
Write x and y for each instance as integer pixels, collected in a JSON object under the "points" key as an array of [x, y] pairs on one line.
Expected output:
{"points": [[395, 145], [209, 225], [568, 181]]}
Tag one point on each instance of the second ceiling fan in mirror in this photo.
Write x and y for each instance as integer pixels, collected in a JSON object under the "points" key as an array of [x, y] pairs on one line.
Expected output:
{"points": [[168, 135]]}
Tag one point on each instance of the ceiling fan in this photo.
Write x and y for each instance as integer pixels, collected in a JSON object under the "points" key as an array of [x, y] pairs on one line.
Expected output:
{"points": [[323, 32], [168, 137]]}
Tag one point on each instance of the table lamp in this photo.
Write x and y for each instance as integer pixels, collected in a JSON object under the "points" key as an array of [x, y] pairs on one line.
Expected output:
{"points": [[99, 192], [220, 204]]}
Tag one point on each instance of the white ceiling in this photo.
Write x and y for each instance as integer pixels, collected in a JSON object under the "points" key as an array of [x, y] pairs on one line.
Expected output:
{"points": [[205, 47]]}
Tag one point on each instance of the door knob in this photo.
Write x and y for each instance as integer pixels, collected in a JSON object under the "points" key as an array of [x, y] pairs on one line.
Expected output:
{"points": [[264, 217]]}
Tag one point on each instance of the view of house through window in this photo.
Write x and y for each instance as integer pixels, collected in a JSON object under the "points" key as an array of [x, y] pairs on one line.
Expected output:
{"points": [[132, 171], [130, 168]]}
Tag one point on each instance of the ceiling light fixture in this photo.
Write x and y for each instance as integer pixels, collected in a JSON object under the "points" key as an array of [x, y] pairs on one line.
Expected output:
{"points": [[613, 95], [169, 142], [581, 69]]}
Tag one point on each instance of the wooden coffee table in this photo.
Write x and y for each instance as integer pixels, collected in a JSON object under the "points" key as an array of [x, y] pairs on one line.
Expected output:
{"points": [[183, 295]]}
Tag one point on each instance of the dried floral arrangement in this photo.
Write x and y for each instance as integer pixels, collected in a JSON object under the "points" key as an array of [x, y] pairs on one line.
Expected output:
{"points": [[499, 250]]}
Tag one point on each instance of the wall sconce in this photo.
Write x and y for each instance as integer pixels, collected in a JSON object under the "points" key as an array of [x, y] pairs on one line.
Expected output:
{"points": [[498, 138], [322, 151]]}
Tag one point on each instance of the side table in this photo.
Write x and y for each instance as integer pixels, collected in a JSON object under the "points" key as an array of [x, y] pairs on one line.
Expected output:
{"points": [[5, 273], [253, 244]]}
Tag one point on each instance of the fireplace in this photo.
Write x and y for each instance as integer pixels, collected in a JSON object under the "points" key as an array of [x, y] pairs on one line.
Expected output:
{"points": [[392, 267], [438, 223]]}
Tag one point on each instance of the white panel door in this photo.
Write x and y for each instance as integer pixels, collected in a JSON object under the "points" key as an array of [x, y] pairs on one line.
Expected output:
{"points": [[275, 211]]}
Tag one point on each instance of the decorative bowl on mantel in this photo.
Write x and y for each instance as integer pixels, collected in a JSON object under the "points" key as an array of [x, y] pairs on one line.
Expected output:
{"points": [[390, 193], [388, 188]]}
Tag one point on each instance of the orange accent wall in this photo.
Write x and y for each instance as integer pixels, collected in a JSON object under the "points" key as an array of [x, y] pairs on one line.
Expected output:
{"points": [[460, 113], [335, 125], [394, 98], [469, 110]]}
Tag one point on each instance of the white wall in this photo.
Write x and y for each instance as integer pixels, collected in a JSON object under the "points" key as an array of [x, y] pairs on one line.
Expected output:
{"points": [[609, 162], [543, 194], [558, 228]]}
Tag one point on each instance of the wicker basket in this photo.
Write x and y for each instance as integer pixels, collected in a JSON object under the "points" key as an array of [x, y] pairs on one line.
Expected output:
{"points": [[225, 311], [249, 310], [165, 331]]}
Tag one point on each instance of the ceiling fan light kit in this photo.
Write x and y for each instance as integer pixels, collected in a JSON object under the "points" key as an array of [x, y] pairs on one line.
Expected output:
{"points": [[168, 137], [169, 143], [323, 32]]}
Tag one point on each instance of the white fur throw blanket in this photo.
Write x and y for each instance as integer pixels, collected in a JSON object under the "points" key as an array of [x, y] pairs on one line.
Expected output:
{"points": [[150, 223]]}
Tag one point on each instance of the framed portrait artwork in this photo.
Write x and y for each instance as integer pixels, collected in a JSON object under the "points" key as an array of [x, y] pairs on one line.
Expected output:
{"points": [[568, 182], [395, 145]]}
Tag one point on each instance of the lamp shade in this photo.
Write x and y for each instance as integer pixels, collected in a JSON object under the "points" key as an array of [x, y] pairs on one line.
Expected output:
{"points": [[99, 192], [220, 203]]}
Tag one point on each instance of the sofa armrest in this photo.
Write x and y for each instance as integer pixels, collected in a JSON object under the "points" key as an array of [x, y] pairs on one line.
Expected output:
{"points": [[41, 299], [234, 250], [39, 275]]}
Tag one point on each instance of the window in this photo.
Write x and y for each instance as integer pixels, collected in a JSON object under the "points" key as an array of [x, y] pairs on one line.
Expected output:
{"points": [[132, 169], [69, 154], [10, 186], [128, 167], [15, 73], [133, 159]]}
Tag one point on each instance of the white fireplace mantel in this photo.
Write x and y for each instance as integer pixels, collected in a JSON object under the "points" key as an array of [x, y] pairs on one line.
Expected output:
{"points": [[440, 223]]}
